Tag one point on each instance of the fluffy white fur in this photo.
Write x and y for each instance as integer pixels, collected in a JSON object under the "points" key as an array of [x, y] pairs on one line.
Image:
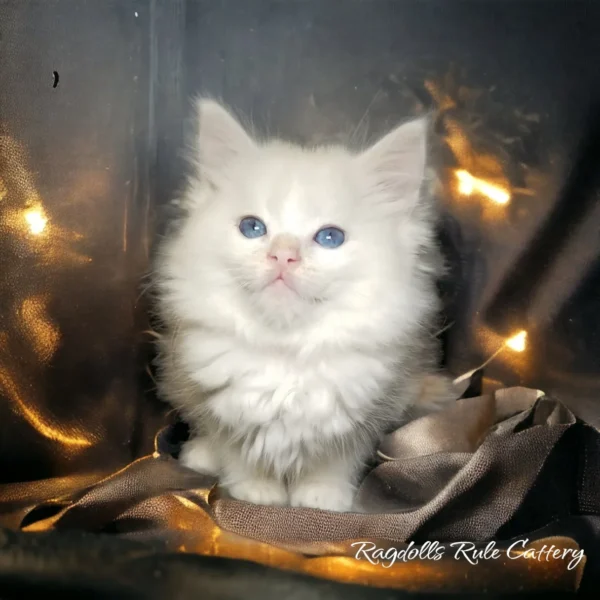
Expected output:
{"points": [[288, 390]]}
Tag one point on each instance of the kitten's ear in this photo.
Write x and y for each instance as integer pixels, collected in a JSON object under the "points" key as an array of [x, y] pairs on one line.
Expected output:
{"points": [[221, 139], [396, 164]]}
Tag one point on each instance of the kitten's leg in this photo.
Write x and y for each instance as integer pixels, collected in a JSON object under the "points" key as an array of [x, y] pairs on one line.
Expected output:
{"points": [[329, 485], [250, 483], [201, 454]]}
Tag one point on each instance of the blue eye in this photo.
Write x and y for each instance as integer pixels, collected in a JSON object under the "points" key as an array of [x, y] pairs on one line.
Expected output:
{"points": [[251, 227], [330, 237]]}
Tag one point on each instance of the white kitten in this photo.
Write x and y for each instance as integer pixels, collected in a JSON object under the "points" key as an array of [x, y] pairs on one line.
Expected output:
{"points": [[299, 303]]}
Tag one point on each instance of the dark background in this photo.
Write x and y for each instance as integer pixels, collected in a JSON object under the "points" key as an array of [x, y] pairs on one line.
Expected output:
{"points": [[101, 151]]}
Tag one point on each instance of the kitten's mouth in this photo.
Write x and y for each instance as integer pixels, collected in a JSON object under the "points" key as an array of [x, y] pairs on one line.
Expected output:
{"points": [[280, 282]]}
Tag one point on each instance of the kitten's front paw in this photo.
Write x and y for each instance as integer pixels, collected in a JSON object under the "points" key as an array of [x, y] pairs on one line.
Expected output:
{"points": [[260, 491], [326, 495], [198, 454]]}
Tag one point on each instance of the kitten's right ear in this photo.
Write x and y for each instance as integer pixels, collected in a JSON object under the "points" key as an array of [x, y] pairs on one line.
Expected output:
{"points": [[221, 139]]}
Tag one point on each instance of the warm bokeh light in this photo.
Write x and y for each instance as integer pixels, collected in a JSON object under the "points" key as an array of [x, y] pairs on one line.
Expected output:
{"points": [[465, 183], [468, 184], [45, 425], [517, 342], [37, 326], [37, 220]]}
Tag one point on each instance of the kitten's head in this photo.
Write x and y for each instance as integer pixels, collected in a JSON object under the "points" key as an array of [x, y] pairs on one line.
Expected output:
{"points": [[291, 230]]}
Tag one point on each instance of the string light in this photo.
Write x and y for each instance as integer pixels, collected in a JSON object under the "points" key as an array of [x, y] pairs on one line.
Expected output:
{"points": [[465, 183], [36, 220], [517, 343], [468, 185]]}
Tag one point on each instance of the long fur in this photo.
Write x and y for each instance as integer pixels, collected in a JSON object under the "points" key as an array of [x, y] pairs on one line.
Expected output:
{"points": [[287, 392]]}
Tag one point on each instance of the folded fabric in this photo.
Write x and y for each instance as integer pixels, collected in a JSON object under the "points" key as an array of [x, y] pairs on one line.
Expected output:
{"points": [[490, 467]]}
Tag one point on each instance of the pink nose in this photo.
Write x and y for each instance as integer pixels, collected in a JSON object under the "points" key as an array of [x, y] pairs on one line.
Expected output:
{"points": [[285, 255], [285, 251]]}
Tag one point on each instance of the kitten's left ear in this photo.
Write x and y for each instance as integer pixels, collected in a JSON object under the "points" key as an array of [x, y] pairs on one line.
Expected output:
{"points": [[396, 163]]}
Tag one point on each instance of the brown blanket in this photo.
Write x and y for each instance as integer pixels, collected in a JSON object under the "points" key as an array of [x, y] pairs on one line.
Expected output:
{"points": [[469, 474]]}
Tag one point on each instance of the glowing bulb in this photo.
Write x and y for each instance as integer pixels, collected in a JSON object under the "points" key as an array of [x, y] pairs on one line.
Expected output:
{"points": [[518, 341], [36, 220], [467, 185], [465, 182]]}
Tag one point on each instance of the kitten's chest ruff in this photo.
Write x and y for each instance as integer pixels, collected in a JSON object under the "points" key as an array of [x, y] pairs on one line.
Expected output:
{"points": [[324, 395], [285, 408], [295, 395]]}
